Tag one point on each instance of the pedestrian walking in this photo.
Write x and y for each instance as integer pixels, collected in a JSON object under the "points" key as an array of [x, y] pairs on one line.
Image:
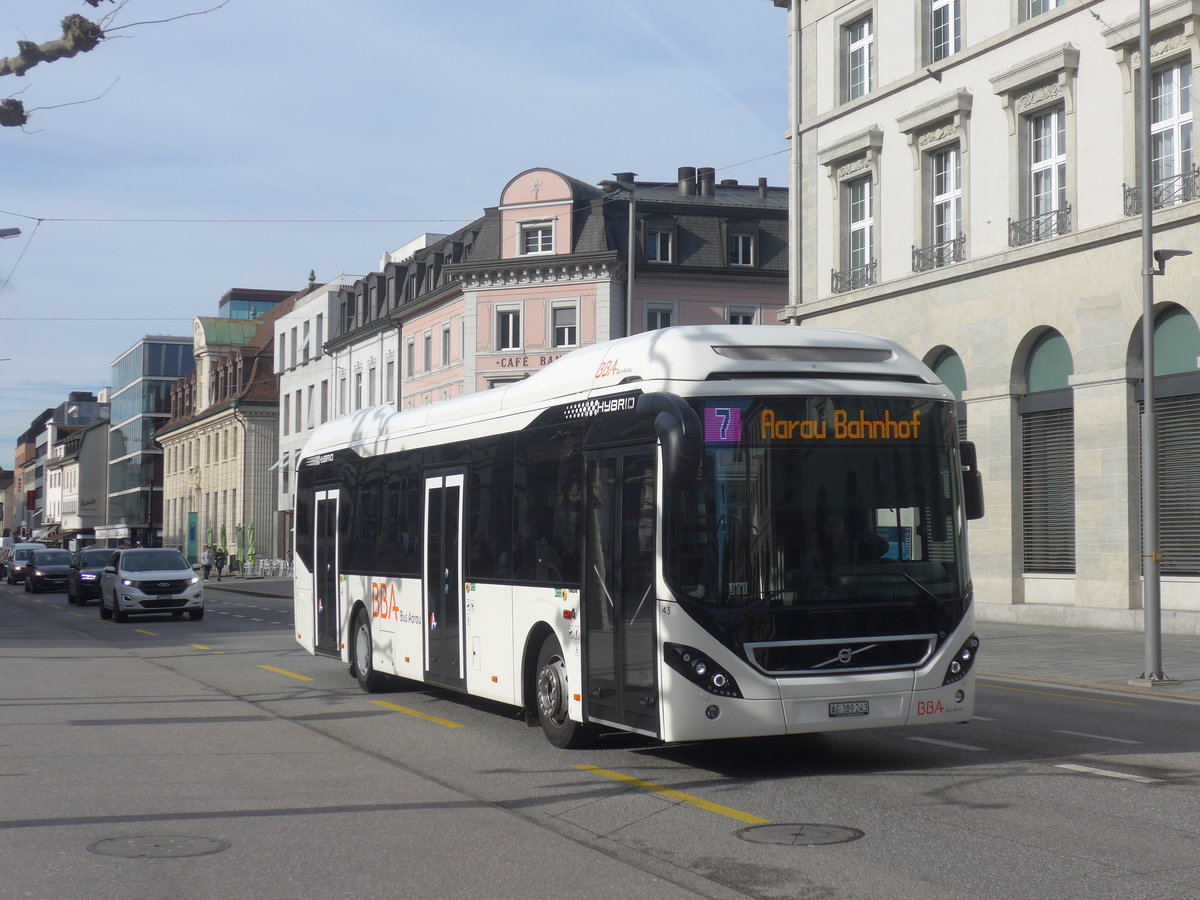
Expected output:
{"points": [[206, 561], [219, 561]]}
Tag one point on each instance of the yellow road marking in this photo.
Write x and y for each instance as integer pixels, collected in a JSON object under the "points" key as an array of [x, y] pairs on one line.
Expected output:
{"points": [[678, 796], [286, 672], [143, 631], [1001, 687], [202, 647], [418, 715]]}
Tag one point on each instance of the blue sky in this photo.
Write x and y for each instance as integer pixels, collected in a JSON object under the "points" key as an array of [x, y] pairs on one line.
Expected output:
{"points": [[403, 110]]}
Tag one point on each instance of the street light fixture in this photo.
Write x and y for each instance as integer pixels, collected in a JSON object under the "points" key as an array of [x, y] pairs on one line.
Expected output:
{"points": [[9, 232]]}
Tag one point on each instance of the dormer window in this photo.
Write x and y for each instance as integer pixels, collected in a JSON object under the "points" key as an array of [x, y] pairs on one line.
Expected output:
{"points": [[741, 248], [537, 237], [658, 246]]}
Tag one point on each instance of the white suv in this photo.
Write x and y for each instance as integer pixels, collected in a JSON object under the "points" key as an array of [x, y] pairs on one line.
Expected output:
{"points": [[149, 580]]}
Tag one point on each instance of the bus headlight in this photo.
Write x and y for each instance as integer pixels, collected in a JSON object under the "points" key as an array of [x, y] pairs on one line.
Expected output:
{"points": [[700, 670], [962, 661]]}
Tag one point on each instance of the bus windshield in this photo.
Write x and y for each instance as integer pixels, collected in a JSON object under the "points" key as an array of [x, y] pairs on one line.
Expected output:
{"points": [[821, 502]]}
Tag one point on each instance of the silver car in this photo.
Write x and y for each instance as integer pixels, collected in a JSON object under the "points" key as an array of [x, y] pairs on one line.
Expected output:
{"points": [[148, 581]]}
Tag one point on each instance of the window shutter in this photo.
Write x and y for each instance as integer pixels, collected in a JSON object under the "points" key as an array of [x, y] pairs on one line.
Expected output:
{"points": [[1048, 490]]}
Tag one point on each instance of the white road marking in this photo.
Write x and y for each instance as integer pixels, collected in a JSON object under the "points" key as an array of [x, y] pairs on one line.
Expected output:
{"points": [[1088, 770], [1099, 737], [985, 719], [951, 744]]}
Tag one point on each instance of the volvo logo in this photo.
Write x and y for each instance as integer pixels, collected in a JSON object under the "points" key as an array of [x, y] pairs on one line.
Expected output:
{"points": [[845, 655]]}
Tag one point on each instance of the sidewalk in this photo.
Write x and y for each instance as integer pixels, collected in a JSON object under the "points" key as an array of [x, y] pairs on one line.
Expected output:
{"points": [[1086, 657]]}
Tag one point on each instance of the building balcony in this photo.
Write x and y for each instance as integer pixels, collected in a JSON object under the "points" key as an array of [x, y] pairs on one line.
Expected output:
{"points": [[1167, 192], [925, 259], [1039, 228], [853, 278]]}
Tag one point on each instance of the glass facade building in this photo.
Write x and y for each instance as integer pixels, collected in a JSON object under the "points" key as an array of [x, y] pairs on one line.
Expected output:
{"points": [[141, 384]]}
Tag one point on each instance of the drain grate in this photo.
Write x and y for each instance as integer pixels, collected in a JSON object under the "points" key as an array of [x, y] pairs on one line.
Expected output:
{"points": [[806, 835], [167, 846]]}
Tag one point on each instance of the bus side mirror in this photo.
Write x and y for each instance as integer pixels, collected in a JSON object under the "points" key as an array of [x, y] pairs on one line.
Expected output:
{"points": [[972, 480], [679, 430]]}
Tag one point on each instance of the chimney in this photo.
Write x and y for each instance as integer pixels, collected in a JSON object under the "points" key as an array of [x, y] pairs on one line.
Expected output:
{"points": [[762, 189], [729, 182], [624, 177], [687, 181], [707, 176]]}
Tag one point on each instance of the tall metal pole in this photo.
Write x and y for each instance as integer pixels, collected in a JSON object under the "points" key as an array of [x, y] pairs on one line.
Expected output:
{"points": [[1152, 670], [632, 252]]}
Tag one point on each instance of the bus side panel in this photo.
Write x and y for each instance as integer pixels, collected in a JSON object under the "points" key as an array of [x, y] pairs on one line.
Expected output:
{"points": [[533, 606], [303, 612], [397, 619], [492, 671]]}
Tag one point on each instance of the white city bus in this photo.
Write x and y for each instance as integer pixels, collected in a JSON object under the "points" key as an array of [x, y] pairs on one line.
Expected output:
{"points": [[691, 533]]}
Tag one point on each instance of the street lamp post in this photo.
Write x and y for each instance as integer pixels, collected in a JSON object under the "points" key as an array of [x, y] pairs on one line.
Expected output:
{"points": [[1152, 669]]}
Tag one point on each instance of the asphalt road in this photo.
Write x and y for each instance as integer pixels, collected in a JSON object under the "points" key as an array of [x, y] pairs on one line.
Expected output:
{"points": [[164, 757]]}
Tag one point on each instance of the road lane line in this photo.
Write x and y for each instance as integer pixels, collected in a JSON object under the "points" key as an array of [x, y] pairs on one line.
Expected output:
{"points": [[202, 647], [680, 797], [286, 672], [1124, 776], [142, 631], [1099, 737], [418, 715], [1002, 687], [950, 744]]}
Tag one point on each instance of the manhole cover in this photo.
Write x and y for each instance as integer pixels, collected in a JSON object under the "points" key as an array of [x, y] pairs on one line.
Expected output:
{"points": [[807, 835], [167, 846]]}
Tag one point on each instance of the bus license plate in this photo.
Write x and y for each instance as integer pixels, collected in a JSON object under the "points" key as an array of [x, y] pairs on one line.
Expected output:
{"points": [[849, 708]]}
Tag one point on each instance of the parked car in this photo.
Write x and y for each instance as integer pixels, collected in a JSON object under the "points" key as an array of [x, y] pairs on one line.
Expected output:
{"points": [[150, 580], [47, 570], [83, 582], [18, 559]]}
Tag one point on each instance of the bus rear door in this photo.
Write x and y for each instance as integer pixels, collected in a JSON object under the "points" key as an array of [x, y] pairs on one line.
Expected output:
{"points": [[443, 583], [325, 574]]}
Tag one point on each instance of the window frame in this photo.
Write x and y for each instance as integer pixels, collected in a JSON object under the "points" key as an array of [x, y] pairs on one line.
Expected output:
{"points": [[940, 49], [655, 310], [507, 321], [541, 231], [571, 336], [857, 47]]}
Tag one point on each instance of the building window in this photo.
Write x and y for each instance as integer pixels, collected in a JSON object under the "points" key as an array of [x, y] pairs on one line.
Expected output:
{"points": [[324, 402], [343, 396], [945, 29], [658, 246], [741, 249], [658, 316], [411, 361], [508, 329], [371, 381], [860, 230], [299, 397], [1037, 7], [320, 334], [310, 412], [427, 350], [389, 390], [1171, 131], [537, 237], [287, 412], [566, 326], [1047, 172], [445, 345], [945, 212], [742, 315], [859, 38], [358, 394]]}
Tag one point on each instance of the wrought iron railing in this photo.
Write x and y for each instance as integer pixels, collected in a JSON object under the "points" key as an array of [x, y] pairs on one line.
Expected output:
{"points": [[1039, 228], [937, 255], [853, 278], [1167, 192]]}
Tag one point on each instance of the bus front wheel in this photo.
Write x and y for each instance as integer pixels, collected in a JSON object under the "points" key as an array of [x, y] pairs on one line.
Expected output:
{"points": [[363, 668], [552, 699]]}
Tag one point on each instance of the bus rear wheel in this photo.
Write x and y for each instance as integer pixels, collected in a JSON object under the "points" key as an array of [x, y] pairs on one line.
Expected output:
{"points": [[361, 665], [553, 697]]}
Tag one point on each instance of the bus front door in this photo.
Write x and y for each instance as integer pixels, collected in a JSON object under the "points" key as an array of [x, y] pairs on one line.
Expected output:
{"points": [[443, 584], [620, 605], [325, 574]]}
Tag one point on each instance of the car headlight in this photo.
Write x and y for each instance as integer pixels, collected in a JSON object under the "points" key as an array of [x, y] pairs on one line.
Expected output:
{"points": [[128, 582], [195, 578], [39, 573]]}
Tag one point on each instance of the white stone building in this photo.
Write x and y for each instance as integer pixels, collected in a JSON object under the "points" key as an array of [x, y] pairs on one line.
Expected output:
{"points": [[965, 181]]}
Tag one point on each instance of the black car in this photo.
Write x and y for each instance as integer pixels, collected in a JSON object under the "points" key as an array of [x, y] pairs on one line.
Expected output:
{"points": [[83, 582], [47, 570]]}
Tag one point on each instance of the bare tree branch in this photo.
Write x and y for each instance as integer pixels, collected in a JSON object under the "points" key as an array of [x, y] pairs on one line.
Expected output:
{"points": [[200, 12], [79, 36]]}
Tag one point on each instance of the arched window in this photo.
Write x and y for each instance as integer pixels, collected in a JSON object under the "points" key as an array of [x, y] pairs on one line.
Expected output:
{"points": [[948, 367], [1177, 404], [1048, 457]]}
